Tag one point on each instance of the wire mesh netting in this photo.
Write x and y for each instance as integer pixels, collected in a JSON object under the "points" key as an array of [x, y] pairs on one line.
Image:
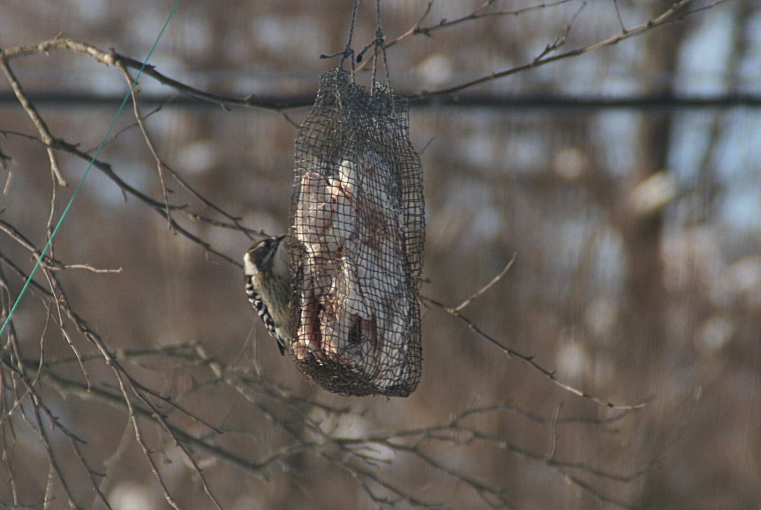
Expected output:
{"points": [[358, 228]]}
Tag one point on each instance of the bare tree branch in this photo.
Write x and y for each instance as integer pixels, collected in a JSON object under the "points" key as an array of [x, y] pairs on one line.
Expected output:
{"points": [[667, 17], [42, 127], [550, 374], [476, 14]]}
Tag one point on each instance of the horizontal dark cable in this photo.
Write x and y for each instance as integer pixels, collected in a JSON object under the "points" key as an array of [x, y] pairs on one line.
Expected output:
{"points": [[569, 102], [78, 100], [472, 100]]}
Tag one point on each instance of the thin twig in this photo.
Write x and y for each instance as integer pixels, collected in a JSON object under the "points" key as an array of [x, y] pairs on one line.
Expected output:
{"points": [[476, 14], [554, 448], [461, 306], [39, 123], [148, 141], [665, 18], [550, 374]]}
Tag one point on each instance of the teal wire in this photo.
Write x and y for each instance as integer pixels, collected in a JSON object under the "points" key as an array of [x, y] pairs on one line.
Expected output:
{"points": [[87, 172]]}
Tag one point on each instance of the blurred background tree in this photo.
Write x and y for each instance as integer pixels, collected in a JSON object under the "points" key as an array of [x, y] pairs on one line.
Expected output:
{"points": [[611, 146]]}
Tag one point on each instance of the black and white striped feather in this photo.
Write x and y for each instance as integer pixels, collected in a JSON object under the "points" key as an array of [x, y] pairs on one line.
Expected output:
{"points": [[269, 288]]}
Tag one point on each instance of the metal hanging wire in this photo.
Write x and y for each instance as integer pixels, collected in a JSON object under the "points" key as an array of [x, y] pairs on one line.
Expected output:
{"points": [[348, 51], [378, 45]]}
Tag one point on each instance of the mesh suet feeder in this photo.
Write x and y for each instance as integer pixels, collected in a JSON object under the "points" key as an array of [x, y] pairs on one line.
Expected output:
{"points": [[357, 233]]}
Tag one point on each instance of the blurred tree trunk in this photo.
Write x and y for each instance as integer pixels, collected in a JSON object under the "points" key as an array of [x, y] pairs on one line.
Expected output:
{"points": [[644, 320], [642, 232]]}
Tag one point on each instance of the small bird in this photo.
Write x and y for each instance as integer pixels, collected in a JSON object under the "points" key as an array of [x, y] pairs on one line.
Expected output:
{"points": [[269, 287]]}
